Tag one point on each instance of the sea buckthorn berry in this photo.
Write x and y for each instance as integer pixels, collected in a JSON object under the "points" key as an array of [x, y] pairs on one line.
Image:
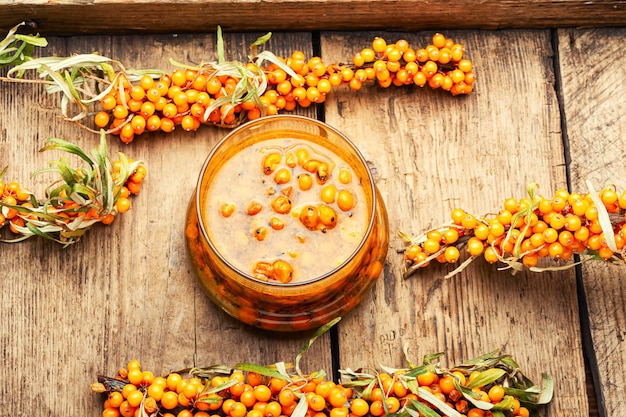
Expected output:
{"points": [[469, 221], [328, 193], [379, 45], [260, 233], [377, 408], [276, 223], [126, 410], [282, 176], [327, 216], [555, 250], [345, 200], [496, 393], [309, 217], [169, 400], [475, 246], [347, 74], [227, 209], [173, 380], [465, 65], [411, 252], [286, 397], [434, 235], [450, 236], [324, 86], [430, 68], [392, 404], [344, 176], [337, 397], [431, 246], [491, 255], [394, 55], [305, 182], [262, 392], [254, 207], [359, 407], [135, 398], [101, 119], [457, 216], [316, 402], [368, 54], [605, 252], [608, 197], [451, 254], [481, 231], [358, 60], [439, 40], [281, 204], [335, 79], [530, 259]]}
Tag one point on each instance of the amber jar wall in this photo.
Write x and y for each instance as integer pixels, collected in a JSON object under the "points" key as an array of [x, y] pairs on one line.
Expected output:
{"points": [[299, 305]]}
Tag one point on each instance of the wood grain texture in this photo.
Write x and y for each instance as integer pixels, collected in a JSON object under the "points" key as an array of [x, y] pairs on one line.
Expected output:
{"points": [[125, 291], [593, 95], [163, 16], [433, 152]]}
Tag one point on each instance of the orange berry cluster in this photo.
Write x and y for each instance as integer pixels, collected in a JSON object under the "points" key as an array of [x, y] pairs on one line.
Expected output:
{"points": [[16, 204], [439, 65], [64, 217], [527, 230], [191, 97], [133, 392]]}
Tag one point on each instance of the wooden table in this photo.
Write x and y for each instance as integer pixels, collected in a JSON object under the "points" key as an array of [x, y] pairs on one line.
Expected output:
{"points": [[548, 107]]}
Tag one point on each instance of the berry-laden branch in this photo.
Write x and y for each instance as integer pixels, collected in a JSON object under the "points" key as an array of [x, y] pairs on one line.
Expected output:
{"points": [[489, 385], [526, 231], [127, 102], [94, 193]]}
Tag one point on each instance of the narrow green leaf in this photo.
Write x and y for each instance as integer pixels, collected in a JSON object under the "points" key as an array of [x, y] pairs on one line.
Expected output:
{"points": [[207, 371], [486, 377], [413, 386], [36, 232], [262, 370], [220, 46], [441, 406], [34, 40], [547, 389], [302, 408], [13, 58], [317, 334], [405, 351], [262, 39], [505, 404], [62, 145], [422, 410], [10, 36], [282, 369], [431, 358], [221, 387], [65, 171], [417, 371], [603, 218], [367, 392], [472, 397]]}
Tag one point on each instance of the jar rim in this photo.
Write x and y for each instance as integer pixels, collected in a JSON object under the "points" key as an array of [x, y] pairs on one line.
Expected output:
{"points": [[292, 118]]}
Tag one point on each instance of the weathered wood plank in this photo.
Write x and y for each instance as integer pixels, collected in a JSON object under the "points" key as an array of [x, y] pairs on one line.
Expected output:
{"points": [[434, 152], [162, 16], [592, 70], [125, 291]]}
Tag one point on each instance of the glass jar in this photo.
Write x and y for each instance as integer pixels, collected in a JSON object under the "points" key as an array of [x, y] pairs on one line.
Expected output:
{"points": [[310, 301]]}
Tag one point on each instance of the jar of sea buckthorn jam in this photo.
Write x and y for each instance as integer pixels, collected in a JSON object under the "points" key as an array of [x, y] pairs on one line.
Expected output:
{"points": [[286, 229]]}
